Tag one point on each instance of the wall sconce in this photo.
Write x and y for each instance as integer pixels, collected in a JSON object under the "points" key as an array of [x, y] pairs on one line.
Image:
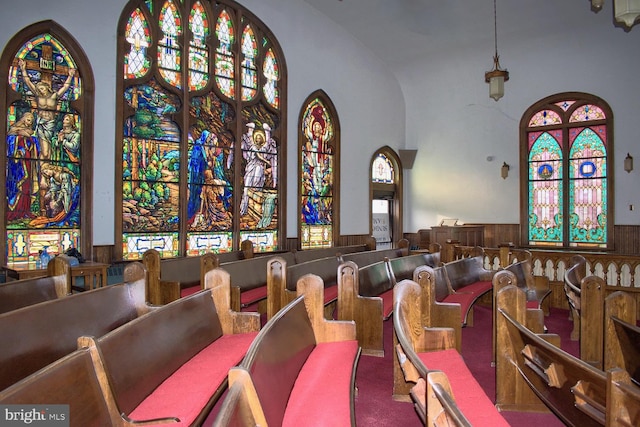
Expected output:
{"points": [[628, 163], [504, 170]]}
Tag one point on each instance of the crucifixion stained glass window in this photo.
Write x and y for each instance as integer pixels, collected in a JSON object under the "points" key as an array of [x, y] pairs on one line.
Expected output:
{"points": [[45, 149], [568, 138], [200, 147]]}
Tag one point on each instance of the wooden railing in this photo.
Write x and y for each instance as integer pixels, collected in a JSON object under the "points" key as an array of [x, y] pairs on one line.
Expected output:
{"points": [[620, 272]]}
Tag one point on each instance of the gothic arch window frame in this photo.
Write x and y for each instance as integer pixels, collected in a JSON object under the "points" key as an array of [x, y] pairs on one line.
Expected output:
{"points": [[393, 190], [552, 115], [190, 128], [83, 106], [332, 152]]}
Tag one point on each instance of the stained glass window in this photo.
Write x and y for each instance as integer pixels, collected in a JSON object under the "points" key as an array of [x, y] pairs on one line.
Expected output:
{"points": [[205, 179], [318, 151], [225, 60], [249, 73], [45, 149], [136, 63], [198, 51], [168, 49], [382, 170], [568, 201], [271, 75]]}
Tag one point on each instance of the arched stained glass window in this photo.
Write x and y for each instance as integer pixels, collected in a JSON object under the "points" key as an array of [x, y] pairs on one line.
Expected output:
{"points": [[319, 131], [249, 73], [382, 170], [272, 75], [168, 49], [200, 165], [136, 63], [198, 51], [567, 140], [49, 151], [225, 60]]}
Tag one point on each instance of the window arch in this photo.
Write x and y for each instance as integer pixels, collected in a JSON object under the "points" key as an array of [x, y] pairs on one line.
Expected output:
{"points": [[201, 108], [48, 160], [319, 148], [566, 157]]}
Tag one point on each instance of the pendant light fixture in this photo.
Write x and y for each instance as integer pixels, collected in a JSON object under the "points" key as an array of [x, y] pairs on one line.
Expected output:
{"points": [[626, 12], [497, 76]]}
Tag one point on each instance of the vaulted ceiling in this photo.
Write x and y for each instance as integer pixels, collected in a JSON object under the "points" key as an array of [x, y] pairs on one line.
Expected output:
{"points": [[400, 30]]}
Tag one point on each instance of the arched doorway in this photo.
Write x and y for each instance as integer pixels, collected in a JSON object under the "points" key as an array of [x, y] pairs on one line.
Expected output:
{"points": [[385, 191]]}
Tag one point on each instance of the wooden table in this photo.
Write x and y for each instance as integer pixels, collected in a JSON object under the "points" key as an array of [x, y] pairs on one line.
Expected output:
{"points": [[93, 273]]}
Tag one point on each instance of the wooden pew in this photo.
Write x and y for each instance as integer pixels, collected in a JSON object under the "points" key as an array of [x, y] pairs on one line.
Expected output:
{"points": [[41, 333], [313, 254], [363, 258], [534, 316], [362, 297], [22, 293], [70, 380], [468, 275], [301, 348], [536, 288], [533, 374], [282, 279], [586, 294], [440, 306], [249, 280], [365, 294], [622, 334], [173, 362], [572, 277], [423, 350], [172, 278], [403, 267]]}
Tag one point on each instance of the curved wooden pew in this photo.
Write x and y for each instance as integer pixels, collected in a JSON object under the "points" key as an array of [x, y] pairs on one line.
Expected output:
{"points": [[172, 278], [534, 374], [572, 277], [440, 308], [293, 353], [22, 293], [622, 334], [73, 381], [586, 294], [536, 288], [365, 294], [173, 362], [42, 333], [534, 317], [249, 280], [282, 280], [422, 351], [468, 275], [363, 258], [359, 301]]}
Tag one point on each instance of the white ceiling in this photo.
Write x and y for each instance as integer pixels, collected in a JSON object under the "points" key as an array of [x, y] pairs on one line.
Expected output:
{"points": [[399, 30]]}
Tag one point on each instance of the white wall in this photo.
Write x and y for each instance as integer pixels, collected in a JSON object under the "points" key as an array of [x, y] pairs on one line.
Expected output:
{"points": [[456, 126]]}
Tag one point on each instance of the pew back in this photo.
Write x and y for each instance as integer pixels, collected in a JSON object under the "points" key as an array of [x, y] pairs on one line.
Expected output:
{"points": [[70, 380], [402, 268], [22, 293], [539, 371], [41, 333], [149, 356]]}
